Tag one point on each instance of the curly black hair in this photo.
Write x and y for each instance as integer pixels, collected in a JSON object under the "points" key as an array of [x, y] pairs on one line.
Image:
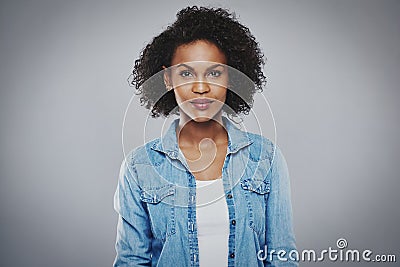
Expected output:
{"points": [[215, 25]]}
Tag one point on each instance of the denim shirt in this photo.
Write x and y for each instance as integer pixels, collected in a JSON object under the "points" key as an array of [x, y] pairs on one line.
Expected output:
{"points": [[156, 202]]}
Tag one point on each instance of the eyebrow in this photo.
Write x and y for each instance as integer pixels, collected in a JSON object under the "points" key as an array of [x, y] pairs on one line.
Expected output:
{"points": [[191, 68], [184, 65]]}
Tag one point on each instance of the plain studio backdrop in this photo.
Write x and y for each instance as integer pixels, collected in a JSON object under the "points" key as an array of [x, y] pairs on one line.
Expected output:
{"points": [[334, 73]]}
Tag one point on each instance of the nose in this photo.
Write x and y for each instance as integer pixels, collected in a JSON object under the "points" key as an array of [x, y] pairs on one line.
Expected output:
{"points": [[200, 87]]}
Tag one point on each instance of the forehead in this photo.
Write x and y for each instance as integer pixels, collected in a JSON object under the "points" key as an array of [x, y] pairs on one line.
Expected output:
{"points": [[198, 51]]}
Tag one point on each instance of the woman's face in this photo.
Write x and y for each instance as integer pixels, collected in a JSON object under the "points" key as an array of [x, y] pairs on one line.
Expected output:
{"points": [[199, 77]]}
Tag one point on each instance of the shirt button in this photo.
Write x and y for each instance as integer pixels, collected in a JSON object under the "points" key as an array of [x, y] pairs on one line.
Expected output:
{"points": [[232, 255], [229, 195], [233, 222]]}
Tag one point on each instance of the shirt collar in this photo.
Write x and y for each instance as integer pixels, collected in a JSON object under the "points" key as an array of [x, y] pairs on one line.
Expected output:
{"points": [[168, 143]]}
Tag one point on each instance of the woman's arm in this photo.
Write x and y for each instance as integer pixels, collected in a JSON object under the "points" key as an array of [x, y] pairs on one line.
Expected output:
{"points": [[133, 244], [280, 234]]}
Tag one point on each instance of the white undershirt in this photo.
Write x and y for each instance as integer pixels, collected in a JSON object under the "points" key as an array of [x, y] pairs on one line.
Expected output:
{"points": [[212, 223]]}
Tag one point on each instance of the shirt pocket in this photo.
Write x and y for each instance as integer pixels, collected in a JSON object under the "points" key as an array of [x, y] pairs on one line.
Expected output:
{"points": [[256, 194], [160, 205]]}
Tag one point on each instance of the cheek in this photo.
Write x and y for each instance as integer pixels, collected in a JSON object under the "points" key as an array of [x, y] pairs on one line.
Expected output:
{"points": [[179, 95], [222, 94]]}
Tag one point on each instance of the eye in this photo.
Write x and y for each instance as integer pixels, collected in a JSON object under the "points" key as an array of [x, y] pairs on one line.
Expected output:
{"points": [[186, 73], [214, 73]]}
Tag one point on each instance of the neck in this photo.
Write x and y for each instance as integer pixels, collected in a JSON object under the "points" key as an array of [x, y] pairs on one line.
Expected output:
{"points": [[191, 133]]}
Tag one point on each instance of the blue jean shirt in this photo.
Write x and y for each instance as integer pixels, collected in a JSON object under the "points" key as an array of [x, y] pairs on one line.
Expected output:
{"points": [[156, 202]]}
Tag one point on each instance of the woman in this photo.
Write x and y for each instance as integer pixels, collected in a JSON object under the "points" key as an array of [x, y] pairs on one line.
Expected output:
{"points": [[205, 193]]}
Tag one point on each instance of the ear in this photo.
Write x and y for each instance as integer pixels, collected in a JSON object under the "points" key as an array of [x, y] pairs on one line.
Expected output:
{"points": [[167, 78]]}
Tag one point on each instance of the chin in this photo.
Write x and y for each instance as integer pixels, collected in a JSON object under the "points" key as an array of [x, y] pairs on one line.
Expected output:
{"points": [[201, 119], [202, 116], [205, 117]]}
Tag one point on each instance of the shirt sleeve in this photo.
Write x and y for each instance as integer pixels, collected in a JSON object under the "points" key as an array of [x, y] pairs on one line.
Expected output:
{"points": [[133, 242], [280, 239]]}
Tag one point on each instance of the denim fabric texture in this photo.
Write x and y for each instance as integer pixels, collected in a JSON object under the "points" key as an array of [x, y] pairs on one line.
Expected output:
{"points": [[156, 202]]}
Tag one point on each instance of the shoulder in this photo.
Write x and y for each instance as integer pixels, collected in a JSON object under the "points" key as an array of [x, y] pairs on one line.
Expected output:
{"points": [[268, 160], [261, 148], [145, 154]]}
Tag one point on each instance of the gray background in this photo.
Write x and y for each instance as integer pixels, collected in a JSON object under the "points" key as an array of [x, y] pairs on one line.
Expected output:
{"points": [[333, 69]]}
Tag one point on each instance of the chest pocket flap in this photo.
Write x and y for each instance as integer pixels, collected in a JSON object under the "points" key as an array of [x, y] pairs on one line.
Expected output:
{"points": [[156, 195], [258, 186]]}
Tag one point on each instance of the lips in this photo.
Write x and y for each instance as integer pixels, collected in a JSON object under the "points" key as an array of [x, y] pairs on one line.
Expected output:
{"points": [[201, 103]]}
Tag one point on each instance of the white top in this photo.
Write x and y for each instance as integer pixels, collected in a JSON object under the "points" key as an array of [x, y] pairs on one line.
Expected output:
{"points": [[212, 223]]}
